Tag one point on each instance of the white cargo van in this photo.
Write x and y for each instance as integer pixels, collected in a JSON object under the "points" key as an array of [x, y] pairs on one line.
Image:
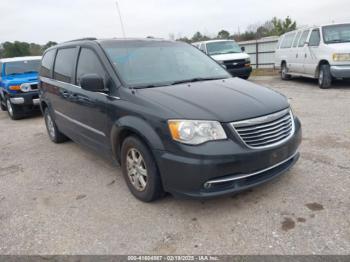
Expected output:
{"points": [[321, 52], [229, 54]]}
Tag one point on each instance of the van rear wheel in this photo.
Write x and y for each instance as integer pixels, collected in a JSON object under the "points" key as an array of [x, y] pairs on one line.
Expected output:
{"points": [[325, 77], [284, 72]]}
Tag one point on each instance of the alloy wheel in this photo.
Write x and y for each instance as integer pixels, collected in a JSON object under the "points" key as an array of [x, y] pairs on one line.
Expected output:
{"points": [[9, 107], [50, 126], [136, 169]]}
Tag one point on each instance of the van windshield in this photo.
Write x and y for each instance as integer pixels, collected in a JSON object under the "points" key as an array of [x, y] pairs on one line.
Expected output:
{"points": [[223, 47], [143, 64], [336, 33], [22, 67]]}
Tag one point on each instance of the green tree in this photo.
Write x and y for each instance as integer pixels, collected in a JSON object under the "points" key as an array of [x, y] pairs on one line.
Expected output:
{"points": [[197, 37], [223, 34], [35, 49], [283, 26], [48, 45], [16, 49]]}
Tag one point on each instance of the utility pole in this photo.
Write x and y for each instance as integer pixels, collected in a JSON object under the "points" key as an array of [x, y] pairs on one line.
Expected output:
{"points": [[120, 18]]}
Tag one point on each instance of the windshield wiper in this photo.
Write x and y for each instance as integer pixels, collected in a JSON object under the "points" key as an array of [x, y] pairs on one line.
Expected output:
{"points": [[196, 79]]}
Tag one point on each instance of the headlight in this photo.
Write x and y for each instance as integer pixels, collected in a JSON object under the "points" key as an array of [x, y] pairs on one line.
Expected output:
{"points": [[194, 132], [341, 57], [25, 87]]}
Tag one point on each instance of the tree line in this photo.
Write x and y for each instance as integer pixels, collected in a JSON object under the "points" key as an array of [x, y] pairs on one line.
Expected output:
{"points": [[273, 27], [17, 48]]}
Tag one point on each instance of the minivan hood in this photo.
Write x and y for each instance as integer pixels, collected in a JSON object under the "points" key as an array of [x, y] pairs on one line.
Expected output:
{"points": [[233, 56], [226, 100]]}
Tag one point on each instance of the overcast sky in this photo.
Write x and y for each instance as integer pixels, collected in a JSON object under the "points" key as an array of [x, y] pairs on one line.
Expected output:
{"points": [[60, 20]]}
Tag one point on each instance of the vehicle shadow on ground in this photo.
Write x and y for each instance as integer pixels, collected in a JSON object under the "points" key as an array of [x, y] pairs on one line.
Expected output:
{"points": [[336, 84]]}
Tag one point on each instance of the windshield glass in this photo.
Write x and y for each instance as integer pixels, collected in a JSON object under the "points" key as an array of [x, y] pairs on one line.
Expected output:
{"points": [[21, 67], [336, 33], [157, 63], [223, 47]]}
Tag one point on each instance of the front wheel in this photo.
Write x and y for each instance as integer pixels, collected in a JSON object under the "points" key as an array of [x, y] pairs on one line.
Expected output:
{"points": [[325, 77], [140, 170], [12, 110], [2, 105]]}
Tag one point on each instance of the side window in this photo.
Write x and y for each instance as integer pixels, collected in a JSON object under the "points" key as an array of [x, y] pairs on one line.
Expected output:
{"points": [[46, 63], [202, 47], [288, 41], [303, 38], [0, 69], [315, 38], [64, 64], [89, 63], [296, 39]]}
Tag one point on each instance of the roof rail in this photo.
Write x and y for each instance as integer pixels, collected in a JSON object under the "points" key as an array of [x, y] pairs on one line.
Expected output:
{"points": [[82, 39]]}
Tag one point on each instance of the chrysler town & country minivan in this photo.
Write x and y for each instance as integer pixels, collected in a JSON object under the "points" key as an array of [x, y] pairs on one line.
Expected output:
{"points": [[174, 119]]}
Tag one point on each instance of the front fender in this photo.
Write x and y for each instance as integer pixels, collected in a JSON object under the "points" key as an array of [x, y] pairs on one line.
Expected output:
{"points": [[138, 126]]}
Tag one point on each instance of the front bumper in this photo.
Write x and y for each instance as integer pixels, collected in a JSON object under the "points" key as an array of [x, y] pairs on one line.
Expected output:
{"points": [[231, 168], [25, 102], [240, 72], [341, 71]]}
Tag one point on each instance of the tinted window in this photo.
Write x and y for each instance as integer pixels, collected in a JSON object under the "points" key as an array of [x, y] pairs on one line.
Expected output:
{"points": [[46, 63], [89, 64], [288, 40], [315, 38], [296, 39], [64, 64], [303, 38], [145, 63]]}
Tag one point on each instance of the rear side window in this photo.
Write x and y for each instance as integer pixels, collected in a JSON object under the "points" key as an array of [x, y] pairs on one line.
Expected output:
{"points": [[0, 69], [46, 63], [296, 39], [315, 38], [89, 64], [288, 41], [64, 64], [303, 38], [202, 47]]}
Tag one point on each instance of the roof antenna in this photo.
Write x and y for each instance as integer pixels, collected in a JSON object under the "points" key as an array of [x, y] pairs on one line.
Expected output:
{"points": [[120, 18]]}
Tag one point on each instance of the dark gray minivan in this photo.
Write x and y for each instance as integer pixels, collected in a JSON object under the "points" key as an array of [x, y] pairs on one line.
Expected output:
{"points": [[172, 117]]}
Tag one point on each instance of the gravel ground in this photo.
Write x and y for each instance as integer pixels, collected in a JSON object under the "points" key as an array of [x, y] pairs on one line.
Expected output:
{"points": [[63, 199]]}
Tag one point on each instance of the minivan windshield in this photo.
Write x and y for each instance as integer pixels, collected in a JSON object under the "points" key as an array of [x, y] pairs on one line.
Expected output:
{"points": [[223, 47], [22, 67], [143, 64], [336, 33]]}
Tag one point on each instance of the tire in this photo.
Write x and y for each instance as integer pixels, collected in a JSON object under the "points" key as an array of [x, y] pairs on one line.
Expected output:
{"points": [[284, 72], [245, 77], [325, 77], [54, 133], [140, 170], [2, 104], [12, 110]]}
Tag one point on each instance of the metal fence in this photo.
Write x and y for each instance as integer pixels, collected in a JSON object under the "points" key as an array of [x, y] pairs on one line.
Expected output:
{"points": [[262, 51]]}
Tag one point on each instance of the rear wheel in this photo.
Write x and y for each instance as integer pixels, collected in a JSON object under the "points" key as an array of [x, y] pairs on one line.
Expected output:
{"points": [[325, 77], [54, 133], [12, 110], [284, 72], [140, 170]]}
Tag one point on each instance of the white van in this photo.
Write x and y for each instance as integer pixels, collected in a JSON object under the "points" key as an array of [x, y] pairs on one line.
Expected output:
{"points": [[229, 54], [321, 52]]}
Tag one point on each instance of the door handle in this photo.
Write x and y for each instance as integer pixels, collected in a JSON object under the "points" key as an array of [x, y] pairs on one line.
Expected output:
{"points": [[305, 55], [297, 55]]}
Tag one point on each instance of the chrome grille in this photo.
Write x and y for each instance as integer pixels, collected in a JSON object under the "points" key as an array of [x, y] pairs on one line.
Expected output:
{"points": [[267, 130]]}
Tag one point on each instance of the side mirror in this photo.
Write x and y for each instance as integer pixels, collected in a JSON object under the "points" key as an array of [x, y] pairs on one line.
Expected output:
{"points": [[92, 82], [243, 49]]}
